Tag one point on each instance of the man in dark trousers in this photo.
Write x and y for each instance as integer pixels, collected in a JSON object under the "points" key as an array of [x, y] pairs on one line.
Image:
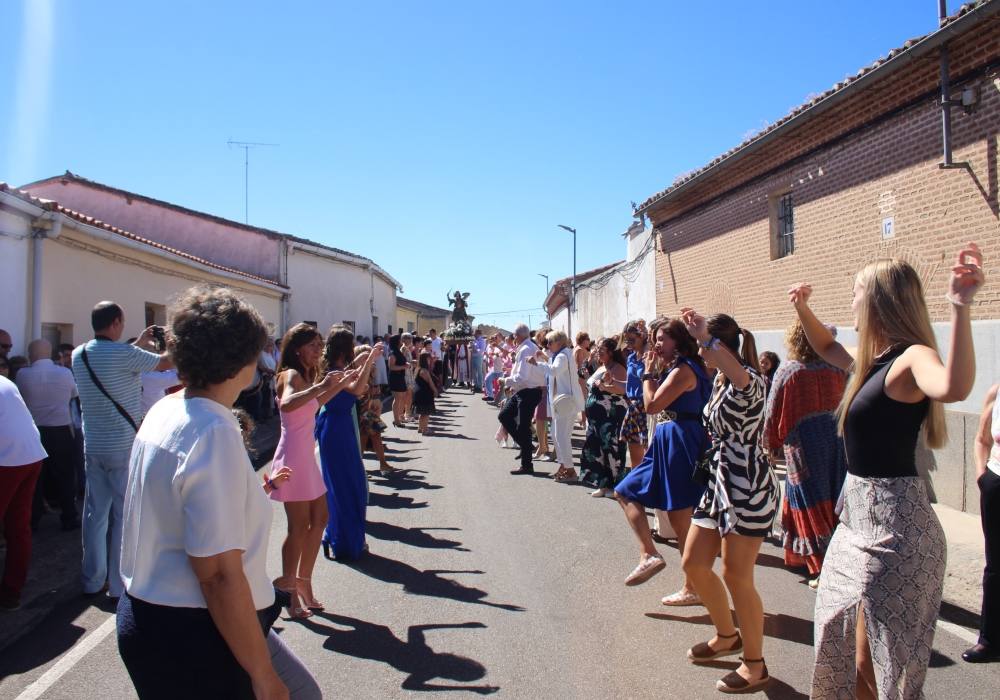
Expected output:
{"points": [[525, 381]]}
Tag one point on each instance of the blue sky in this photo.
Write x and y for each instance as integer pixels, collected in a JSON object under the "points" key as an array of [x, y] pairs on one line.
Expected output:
{"points": [[445, 140]]}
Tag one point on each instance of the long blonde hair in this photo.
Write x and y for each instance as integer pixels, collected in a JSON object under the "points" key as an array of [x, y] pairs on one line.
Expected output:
{"points": [[892, 312]]}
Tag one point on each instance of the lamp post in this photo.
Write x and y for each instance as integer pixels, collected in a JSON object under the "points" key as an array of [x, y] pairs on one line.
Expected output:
{"points": [[572, 285]]}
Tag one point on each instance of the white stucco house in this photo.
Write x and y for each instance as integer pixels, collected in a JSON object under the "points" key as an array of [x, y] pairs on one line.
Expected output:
{"points": [[323, 285]]}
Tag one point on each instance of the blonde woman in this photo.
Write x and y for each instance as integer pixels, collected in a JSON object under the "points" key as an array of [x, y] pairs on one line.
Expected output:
{"points": [[567, 402], [880, 589]]}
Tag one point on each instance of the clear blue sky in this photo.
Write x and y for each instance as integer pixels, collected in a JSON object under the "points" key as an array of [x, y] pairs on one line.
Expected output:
{"points": [[445, 140]]}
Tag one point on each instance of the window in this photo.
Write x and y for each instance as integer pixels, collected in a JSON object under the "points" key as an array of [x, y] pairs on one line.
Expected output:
{"points": [[375, 326], [409, 326], [786, 226], [782, 226], [156, 314], [314, 324], [57, 334], [348, 325]]}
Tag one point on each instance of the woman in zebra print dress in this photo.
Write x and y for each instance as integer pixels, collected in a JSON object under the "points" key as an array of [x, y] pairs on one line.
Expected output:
{"points": [[738, 507]]}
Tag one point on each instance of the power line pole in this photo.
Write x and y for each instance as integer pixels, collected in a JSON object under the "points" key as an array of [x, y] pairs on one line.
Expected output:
{"points": [[246, 146]]}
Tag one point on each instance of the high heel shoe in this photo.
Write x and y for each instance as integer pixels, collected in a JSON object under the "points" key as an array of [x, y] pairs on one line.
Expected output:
{"points": [[326, 551], [295, 610], [311, 602]]}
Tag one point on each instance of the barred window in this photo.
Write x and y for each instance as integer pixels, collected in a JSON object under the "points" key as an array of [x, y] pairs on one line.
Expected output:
{"points": [[784, 227]]}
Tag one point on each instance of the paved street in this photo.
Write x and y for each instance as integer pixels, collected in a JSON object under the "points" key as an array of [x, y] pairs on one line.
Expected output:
{"points": [[486, 583]]}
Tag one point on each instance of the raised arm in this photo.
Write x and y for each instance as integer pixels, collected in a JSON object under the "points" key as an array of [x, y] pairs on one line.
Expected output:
{"points": [[294, 392], [716, 352], [952, 380], [820, 337]]}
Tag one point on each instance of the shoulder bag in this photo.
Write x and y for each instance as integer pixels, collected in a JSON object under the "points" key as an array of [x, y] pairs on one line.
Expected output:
{"points": [[97, 382]]}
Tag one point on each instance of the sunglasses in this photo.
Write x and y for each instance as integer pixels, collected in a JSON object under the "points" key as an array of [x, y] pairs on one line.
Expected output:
{"points": [[6, 346]]}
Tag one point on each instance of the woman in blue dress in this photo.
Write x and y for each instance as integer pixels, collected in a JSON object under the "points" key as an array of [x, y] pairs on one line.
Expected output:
{"points": [[340, 449], [663, 478]]}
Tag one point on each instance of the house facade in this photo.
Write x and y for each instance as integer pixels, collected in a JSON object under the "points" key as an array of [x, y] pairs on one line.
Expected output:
{"points": [[417, 317], [57, 263], [856, 174], [326, 285]]}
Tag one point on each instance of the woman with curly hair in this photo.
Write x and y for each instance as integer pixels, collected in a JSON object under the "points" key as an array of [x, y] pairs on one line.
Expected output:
{"points": [[340, 449], [301, 390], [196, 616], [675, 389], [801, 420]]}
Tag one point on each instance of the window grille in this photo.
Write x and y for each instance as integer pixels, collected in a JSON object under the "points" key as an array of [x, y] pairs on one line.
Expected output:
{"points": [[786, 226]]}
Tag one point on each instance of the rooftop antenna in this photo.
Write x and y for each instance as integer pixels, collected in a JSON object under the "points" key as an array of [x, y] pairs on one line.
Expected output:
{"points": [[246, 146]]}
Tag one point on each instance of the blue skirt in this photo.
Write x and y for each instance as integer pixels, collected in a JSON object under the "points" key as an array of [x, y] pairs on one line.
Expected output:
{"points": [[663, 478]]}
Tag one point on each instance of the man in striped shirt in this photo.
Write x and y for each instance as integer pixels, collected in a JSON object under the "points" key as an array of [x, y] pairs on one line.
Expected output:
{"points": [[112, 411]]}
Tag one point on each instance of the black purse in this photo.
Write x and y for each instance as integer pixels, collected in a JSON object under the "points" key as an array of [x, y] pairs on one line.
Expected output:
{"points": [[702, 472]]}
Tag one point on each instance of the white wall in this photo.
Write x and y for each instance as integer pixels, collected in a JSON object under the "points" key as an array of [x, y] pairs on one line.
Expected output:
{"points": [[629, 294], [15, 278], [329, 292], [78, 271]]}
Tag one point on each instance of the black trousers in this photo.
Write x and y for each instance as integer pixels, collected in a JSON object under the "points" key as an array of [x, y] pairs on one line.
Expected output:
{"points": [[174, 653], [516, 418], [58, 478], [989, 507]]}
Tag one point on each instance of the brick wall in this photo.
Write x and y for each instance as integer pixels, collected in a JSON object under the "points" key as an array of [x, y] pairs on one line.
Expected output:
{"points": [[717, 256]]}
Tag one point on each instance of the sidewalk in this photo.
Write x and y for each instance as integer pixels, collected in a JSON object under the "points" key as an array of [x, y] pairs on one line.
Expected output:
{"points": [[54, 574]]}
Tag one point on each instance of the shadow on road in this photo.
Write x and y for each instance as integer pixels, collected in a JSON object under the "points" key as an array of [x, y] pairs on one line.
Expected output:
{"points": [[406, 480], [37, 648], [776, 625], [393, 501], [366, 640], [429, 582], [413, 536]]}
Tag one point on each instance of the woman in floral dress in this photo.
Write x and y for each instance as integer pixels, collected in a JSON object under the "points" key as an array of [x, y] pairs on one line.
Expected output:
{"points": [[603, 458]]}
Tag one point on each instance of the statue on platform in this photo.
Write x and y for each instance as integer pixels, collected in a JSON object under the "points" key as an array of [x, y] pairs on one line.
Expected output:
{"points": [[460, 302]]}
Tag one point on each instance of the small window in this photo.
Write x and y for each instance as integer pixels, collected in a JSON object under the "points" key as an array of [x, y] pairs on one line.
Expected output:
{"points": [[314, 324], [409, 327], [156, 314], [783, 226], [348, 325]]}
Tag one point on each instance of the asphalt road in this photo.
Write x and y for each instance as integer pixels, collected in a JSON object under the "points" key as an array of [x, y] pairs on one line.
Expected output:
{"points": [[481, 582]]}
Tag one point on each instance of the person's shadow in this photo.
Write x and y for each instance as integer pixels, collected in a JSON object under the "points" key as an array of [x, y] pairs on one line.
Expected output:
{"points": [[426, 583], [366, 640], [413, 536]]}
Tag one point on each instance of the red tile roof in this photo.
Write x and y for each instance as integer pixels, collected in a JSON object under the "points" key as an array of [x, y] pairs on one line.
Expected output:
{"points": [[53, 206], [813, 101]]}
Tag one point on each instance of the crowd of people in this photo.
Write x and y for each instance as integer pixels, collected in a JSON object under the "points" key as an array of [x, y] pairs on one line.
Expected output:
{"points": [[686, 418], [681, 416], [155, 435]]}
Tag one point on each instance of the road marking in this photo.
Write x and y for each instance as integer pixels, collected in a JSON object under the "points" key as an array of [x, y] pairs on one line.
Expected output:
{"points": [[68, 661], [959, 631]]}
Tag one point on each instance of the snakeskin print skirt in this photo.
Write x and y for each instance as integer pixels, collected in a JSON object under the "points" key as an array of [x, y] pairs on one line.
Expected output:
{"points": [[888, 555]]}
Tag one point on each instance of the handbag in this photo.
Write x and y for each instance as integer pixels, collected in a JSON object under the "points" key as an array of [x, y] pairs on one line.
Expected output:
{"points": [[97, 382]]}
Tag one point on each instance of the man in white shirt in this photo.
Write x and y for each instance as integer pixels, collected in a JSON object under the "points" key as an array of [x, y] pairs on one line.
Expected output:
{"points": [[21, 455], [47, 390], [437, 356], [525, 381]]}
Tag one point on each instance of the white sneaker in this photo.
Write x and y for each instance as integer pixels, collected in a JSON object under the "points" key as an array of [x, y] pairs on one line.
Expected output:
{"points": [[599, 493]]}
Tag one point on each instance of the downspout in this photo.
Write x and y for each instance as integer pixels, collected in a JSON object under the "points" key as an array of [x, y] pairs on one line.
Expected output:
{"points": [[283, 276], [946, 102], [371, 302], [46, 226]]}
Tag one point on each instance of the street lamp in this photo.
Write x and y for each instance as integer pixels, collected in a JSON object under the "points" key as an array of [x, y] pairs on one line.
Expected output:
{"points": [[572, 285]]}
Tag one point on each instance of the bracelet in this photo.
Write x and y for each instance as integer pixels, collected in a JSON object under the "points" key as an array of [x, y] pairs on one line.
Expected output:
{"points": [[269, 484], [711, 344], [955, 301], [649, 377]]}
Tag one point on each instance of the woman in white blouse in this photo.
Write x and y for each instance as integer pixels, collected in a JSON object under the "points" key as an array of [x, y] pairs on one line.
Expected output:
{"points": [[195, 619], [567, 399]]}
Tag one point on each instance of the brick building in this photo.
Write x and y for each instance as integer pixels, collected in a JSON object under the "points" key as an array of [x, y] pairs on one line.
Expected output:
{"points": [[853, 175]]}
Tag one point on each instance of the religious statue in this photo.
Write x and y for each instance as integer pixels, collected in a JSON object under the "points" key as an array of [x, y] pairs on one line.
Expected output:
{"points": [[459, 301]]}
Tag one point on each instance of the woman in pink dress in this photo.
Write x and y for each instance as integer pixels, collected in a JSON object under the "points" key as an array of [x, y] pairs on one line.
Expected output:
{"points": [[301, 391]]}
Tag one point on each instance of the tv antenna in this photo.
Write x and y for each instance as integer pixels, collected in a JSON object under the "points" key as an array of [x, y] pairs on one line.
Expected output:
{"points": [[246, 146]]}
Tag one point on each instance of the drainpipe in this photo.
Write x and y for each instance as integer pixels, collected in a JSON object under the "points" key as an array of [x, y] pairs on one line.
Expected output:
{"points": [[46, 226], [946, 102]]}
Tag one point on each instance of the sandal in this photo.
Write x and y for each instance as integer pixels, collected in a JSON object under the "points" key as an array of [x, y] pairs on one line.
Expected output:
{"points": [[703, 652], [681, 599], [386, 470], [294, 609], [733, 683], [645, 571], [311, 602], [568, 476]]}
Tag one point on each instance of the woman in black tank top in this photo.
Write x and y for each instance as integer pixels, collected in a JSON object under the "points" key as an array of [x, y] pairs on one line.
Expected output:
{"points": [[889, 546]]}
